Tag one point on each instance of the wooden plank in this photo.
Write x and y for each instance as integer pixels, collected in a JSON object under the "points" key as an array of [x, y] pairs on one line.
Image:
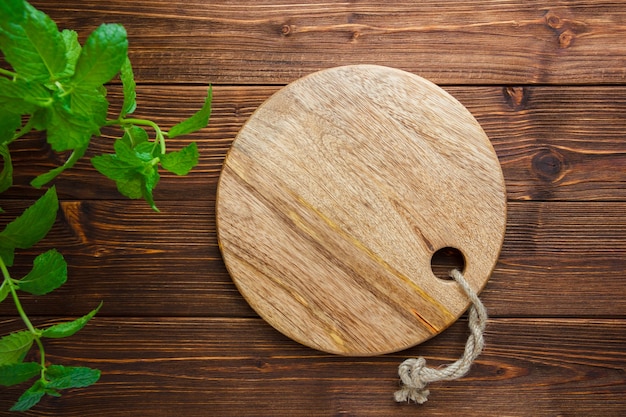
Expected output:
{"points": [[229, 367], [558, 259], [554, 143], [277, 41]]}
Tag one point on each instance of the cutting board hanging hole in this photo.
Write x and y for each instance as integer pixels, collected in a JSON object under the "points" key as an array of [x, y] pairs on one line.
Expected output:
{"points": [[445, 260]]}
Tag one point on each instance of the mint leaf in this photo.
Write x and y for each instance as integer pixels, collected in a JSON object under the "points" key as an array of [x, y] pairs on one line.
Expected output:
{"points": [[30, 397], [30, 227], [69, 328], [181, 162], [64, 377], [66, 129], [129, 85], [151, 179], [14, 346], [43, 179], [196, 122], [112, 167], [33, 44], [125, 153], [102, 56], [72, 48], [49, 273], [90, 104], [22, 97], [134, 135], [9, 123], [17, 373], [6, 176]]}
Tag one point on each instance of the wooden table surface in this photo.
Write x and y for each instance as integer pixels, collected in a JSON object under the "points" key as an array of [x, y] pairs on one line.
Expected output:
{"points": [[547, 82]]}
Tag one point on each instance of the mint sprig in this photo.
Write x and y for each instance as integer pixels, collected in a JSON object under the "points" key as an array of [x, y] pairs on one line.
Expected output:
{"points": [[49, 272], [58, 86], [55, 84]]}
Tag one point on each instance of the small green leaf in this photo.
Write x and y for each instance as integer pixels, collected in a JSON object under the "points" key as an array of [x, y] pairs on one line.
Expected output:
{"points": [[73, 48], [30, 227], [64, 377], [9, 123], [129, 85], [33, 46], [181, 162], [150, 181], [102, 56], [18, 372], [43, 179], [112, 167], [126, 154], [196, 122], [22, 97], [49, 273], [6, 176], [134, 135], [131, 186], [30, 397], [14, 346], [69, 328]]}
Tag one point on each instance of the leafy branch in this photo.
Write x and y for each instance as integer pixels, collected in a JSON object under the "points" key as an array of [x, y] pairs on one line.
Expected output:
{"points": [[55, 84]]}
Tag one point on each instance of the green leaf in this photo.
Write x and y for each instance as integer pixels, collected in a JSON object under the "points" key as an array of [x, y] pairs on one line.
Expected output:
{"points": [[102, 56], [17, 373], [129, 85], [22, 97], [6, 176], [43, 179], [127, 154], [134, 135], [14, 346], [49, 273], [196, 122], [69, 328], [30, 397], [64, 377], [67, 129], [30, 227], [9, 123], [181, 162], [73, 48], [33, 44], [112, 167], [151, 179]]}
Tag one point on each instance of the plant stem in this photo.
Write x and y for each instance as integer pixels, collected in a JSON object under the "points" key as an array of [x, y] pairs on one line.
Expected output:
{"points": [[8, 73], [18, 305], [29, 325], [160, 137]]}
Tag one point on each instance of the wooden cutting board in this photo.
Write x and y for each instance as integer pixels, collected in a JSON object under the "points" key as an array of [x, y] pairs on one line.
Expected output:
{"points": [[337, 193]]}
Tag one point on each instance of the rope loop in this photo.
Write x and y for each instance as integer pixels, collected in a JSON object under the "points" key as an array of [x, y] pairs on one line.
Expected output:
{"points": [[415, 375]]}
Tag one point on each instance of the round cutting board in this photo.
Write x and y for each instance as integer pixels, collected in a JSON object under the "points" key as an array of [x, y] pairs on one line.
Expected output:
{"points": [[335, 196]]}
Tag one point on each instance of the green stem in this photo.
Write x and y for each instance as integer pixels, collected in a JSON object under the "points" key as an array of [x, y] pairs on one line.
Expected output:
{"points": [[160, 137], [29, 325], [8, 73]]}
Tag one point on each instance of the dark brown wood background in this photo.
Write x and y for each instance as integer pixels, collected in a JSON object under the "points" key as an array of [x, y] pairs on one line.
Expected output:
{"points": [[546, 80]]}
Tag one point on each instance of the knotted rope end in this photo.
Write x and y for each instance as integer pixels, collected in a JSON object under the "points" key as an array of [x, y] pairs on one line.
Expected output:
{"points": [[414, 373], [414, 386]]}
